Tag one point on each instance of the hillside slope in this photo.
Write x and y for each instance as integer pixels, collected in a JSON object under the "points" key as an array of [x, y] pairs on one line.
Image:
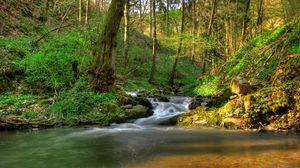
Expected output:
{"points": [[265, 76]]}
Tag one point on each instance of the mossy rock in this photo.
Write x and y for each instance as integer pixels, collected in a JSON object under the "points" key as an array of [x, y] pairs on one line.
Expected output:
{"points": [[138, 111], [201, 116]]}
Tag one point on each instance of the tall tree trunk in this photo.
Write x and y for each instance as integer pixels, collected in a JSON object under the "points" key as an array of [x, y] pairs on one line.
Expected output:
{"points": [[154, 43], [209, 30], [79, 10], [245, 20], [126, 33], [260, 16], [167, 18], [212, 16], [141, 16], [87, 12], [235, 32], [227, 36], [151, 18], [171, 80], [194, 29], [103, 68]]}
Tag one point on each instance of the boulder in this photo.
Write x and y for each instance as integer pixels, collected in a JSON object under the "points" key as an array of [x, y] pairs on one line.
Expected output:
{"points": [[128, 106], [138, 111], [232, 123], [195, 103], [241, 87]]}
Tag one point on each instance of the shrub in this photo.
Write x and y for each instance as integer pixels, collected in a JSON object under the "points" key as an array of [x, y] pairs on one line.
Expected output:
{"points": [[78, 101], [29, 114], [51, 68]]}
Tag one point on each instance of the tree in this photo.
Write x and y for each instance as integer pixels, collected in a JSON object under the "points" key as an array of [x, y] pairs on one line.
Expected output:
{"points": [[154, 41], [178, 52], [126, 33], [209, 31], [79, 10], [245, 20], [103, 67], [260, 16], [194, 28], [87, 12]]}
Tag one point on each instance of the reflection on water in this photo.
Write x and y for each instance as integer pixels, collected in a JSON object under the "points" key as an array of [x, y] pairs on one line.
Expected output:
{"points": [[138, 147]]}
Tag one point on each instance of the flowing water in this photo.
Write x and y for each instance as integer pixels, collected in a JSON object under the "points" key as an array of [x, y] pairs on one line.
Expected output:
{"points": [[144, 144]]}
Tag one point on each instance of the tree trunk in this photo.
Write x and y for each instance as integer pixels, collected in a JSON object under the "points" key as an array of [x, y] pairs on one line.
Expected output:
{"points": [[260, 16], [227, 36], [209, 30], [194, 29], [79, 10], [87, 12], [171, 80], [245, 20], [103, 68], [167, 18], [141, 16], [126, 33], [235, 32], [150, 18], [154, 43]]}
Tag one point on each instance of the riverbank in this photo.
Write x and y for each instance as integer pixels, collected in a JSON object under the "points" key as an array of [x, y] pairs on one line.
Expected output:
{"points": [[259, 86], [28, 111]]}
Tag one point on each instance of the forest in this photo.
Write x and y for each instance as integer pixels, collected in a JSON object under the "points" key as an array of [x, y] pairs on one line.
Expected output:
{"points": [[112, 66]]}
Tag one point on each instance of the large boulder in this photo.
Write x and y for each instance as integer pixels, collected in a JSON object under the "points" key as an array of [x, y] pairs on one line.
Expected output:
{"points": [[138, 111], [240, 86], [194, 104]]}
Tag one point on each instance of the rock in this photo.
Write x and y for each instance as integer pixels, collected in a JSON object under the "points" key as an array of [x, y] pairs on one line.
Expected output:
{"points": [[162, 98], [195, 104], [233, 97], [144, 102], [124, 100], [171, 121], [241, 87], [138, 111], [247, 103], [232, 123], [128, 106]]}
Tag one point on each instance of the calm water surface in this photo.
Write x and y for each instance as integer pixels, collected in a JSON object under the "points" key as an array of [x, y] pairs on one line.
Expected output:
{"points": [[130, 145]]}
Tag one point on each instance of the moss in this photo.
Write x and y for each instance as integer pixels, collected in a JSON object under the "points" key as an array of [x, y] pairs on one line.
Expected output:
{"points": [[201, 116]]}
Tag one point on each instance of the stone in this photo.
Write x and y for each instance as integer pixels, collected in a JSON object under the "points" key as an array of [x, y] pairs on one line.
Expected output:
{"points": [[241, 87], [138, 111], [247, 103], [195, 104], [232, 123], [128, 106]]}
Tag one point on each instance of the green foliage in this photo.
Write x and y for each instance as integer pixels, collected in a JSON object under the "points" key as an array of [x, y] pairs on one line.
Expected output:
{"points": [[14, 99], [260, 59], [78, 101], [138, 69], [30, 114], [51, 67], [208, 86], [139, 84], [10, 104]]}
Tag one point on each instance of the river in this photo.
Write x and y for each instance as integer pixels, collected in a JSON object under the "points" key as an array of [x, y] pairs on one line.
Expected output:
{"points": [[144, 144]]}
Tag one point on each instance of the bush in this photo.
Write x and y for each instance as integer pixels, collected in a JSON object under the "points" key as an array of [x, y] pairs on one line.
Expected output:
{"points": [[50, 68], [29, 114], [12, 104], [78, 101]]}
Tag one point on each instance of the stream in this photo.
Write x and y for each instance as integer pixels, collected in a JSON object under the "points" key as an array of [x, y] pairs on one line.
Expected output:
{"points": [[145, 144]]}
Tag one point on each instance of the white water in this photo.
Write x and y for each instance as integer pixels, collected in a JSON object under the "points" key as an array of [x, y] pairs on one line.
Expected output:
{"points": [[165, 110]]}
